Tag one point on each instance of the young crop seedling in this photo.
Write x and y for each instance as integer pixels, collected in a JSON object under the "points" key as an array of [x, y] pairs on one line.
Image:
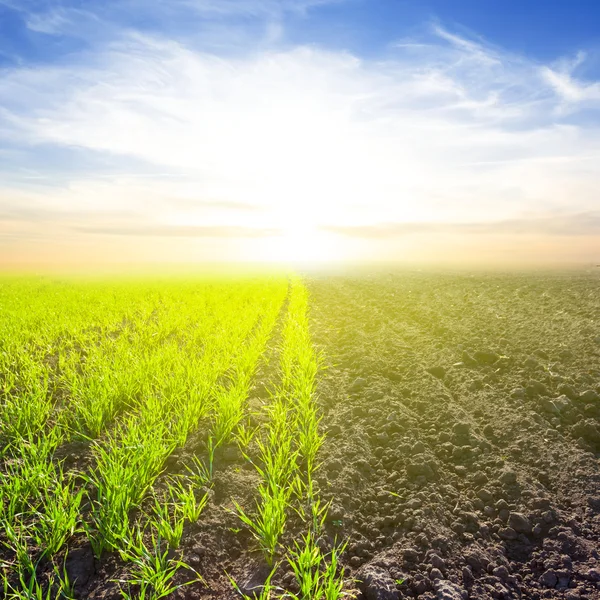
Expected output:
{"points": [[153, 569], [244, 435], [318, 575], [59, 519], [185, 498], [168, 520]]}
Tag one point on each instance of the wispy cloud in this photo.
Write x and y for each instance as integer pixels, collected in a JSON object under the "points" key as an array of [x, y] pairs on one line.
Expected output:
{"points": [[572, 91], [180, 231], [581, 224], [91, 22]]}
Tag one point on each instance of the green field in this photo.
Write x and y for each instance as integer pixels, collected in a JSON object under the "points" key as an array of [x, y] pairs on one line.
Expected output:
{"points": [[103, 381]]}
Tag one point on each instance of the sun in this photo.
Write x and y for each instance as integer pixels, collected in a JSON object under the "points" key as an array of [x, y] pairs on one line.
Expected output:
{"points": [[302, 245]]}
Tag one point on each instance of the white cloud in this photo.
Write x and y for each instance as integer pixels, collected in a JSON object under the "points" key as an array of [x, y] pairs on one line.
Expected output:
{"points": [[443, 130], [574, 93], [570, 89]]}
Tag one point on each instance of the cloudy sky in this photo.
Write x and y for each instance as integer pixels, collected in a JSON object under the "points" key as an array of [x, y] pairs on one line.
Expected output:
{"points": [[135, 131]]}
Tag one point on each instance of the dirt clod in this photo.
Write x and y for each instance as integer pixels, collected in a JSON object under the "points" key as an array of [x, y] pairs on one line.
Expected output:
{"points": [[377, 584], [519, 522], [446, 590]]}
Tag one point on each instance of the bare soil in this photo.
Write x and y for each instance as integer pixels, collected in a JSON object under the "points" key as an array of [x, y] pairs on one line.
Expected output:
{"points": [[463, 414]]}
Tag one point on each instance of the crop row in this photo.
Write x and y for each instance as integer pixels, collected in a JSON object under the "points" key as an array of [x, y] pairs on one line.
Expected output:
{"points": [[286, 464]]}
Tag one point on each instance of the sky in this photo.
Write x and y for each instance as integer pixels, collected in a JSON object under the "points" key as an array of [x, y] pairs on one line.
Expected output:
{"points": [[303, 131]]}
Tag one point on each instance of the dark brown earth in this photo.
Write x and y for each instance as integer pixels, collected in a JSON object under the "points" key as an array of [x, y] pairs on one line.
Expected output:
{"points": [[462, 415], [464, 432]]}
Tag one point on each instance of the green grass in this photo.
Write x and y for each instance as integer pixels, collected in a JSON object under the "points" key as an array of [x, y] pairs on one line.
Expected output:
{"points": [[130, 369], [153, 569], [317, 575]]}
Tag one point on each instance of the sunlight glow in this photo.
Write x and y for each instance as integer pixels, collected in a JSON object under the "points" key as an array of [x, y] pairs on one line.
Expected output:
{"points": [[301, 246]]}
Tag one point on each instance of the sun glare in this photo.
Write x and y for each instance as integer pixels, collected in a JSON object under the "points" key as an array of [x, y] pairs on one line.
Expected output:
{"points": [[301, 246]]}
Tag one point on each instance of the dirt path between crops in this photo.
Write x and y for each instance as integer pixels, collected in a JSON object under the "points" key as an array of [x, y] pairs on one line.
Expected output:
{"points": [[463, 415]]}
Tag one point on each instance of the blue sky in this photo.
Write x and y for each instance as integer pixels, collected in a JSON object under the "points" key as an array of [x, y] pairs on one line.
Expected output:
{"points": [[544, 30], [300, 129]]}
